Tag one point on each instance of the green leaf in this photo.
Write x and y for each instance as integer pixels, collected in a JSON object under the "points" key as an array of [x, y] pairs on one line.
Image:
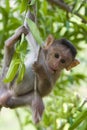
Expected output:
{"points": [[21, 73], [32, 2], [21, 48], [12, 70], [7, 6], [35, 32], [4, 16], [79, 119], [23, 6], [22, 38], [67, 25]]}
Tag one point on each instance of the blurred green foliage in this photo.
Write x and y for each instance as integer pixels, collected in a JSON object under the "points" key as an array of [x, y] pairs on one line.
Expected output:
{"points": [[63, 106]]}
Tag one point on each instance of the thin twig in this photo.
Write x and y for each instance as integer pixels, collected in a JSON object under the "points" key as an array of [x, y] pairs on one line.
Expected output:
{"points": [[61, 4], [83, 2], [19, 120], [65, 7]]}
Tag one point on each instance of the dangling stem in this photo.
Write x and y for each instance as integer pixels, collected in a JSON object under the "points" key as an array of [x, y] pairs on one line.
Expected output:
{"points": [[19, 119], [35, 16], [35, 81], [29, 15]]}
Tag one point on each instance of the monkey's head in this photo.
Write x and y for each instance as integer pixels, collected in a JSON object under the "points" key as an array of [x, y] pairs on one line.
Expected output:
{"points": [[60, 54]]}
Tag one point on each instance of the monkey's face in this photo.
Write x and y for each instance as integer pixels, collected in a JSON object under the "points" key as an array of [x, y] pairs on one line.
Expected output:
{"points": [[58, 57]]}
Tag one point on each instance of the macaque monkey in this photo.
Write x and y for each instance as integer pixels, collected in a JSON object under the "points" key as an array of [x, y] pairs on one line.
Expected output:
{"points": [[53, 57]]}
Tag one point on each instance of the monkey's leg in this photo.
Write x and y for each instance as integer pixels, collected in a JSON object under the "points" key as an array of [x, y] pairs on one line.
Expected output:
{"points": [[32, 99]]}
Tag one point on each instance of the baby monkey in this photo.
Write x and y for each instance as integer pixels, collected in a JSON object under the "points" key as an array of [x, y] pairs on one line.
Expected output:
{"points": [[53, 57]]}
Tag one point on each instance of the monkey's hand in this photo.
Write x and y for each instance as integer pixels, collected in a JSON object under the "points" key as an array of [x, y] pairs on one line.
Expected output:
{"points": [[37, 108], [21, 30], [37, 67]]}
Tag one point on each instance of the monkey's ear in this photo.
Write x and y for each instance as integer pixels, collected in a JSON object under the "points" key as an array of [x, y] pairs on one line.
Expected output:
{"points": [[49, 41], [73, 64]]}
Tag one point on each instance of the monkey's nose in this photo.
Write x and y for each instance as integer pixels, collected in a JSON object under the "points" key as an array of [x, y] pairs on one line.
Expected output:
{"points": [[55, 65]]}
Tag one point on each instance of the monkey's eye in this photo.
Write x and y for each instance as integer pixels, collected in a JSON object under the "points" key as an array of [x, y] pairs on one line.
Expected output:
{"points": [[62, 61], [56, 55]]}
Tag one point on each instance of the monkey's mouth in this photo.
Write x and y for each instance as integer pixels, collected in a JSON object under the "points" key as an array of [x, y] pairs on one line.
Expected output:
{"points": [[53, 70]]}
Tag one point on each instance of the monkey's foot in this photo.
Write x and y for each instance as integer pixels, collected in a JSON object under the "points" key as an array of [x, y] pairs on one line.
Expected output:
{"points": [[37, 109]]}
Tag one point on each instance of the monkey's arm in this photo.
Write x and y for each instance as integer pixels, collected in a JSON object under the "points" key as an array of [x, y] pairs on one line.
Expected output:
{"points": [[9, 44], [45, 85], [9, 48], [14, 38]]}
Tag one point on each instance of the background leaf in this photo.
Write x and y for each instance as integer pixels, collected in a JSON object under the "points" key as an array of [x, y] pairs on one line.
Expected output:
{"points": [[35, 31]]}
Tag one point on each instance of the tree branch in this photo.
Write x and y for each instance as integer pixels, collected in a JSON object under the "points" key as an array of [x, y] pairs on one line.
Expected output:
{"points": [[65, 7], [61, 4]]}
